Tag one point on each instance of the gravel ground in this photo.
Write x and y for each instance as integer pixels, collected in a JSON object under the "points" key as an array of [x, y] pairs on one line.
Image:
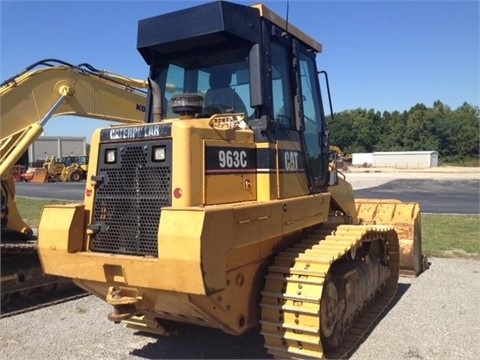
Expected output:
{"points": [[435, 316]]}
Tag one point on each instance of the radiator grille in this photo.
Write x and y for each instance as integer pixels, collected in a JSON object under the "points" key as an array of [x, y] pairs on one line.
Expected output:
{"points": [[129, 200]]}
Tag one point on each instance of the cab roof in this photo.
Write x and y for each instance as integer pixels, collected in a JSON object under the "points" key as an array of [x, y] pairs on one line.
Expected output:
{"points": [[217, 23]]}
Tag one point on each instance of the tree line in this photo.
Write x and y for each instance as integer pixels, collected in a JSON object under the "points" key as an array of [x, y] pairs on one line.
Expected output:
{"points": [[455, 134]]}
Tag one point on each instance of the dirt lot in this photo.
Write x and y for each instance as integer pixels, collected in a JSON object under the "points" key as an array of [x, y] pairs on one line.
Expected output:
{"points": [[435, 316]]}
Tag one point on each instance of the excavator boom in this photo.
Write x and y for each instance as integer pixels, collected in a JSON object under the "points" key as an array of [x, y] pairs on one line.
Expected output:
{"points": [[51, 88]]}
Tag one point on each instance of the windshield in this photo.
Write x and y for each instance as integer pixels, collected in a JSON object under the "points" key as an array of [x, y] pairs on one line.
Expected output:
{"points": [[222, 80]]}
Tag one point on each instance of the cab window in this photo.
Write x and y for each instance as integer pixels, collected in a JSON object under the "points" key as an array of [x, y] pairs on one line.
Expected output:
{"points": [[281, 89]]}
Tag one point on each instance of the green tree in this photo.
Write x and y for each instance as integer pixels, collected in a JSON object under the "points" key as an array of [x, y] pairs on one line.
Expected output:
{"points": [[465, 138], [366, 126], [418, 134], [341, 131], [392, 131], [455, 134]]}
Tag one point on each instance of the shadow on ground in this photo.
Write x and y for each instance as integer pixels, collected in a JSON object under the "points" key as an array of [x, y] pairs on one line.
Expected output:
{"points": [[205, 343]]}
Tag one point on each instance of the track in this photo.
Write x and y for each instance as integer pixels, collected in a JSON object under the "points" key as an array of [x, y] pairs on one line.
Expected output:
{"points": [[306, 314], [24, 286], [42, 297]]}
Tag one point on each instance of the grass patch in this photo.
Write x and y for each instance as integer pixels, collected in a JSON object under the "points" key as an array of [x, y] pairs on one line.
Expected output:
{"points": [[442, 235], [31, 209], [451, 236], [466, 162], [81, 309]]}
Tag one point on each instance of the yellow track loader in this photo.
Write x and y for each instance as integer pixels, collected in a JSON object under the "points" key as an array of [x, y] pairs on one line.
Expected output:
{"points": [[224, 212]]}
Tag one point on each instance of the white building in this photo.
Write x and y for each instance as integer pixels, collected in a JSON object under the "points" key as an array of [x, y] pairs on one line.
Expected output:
{"points": [[362, 159], [396, 159], [406, 159], [56, 145]]}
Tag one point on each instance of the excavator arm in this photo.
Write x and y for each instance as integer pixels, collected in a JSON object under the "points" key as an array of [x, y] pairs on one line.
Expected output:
{"points": [[51, 88]]}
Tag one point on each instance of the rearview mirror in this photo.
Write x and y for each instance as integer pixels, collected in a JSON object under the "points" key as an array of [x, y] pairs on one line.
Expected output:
{"points": [[333, 177]]}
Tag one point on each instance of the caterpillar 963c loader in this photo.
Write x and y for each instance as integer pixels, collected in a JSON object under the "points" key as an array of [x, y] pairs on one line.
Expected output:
{"points": [[28, 100], [221, 210]]}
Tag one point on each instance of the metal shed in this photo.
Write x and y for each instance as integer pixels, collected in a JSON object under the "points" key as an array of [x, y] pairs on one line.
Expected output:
{"points": [[362, 159], [406, 159]]}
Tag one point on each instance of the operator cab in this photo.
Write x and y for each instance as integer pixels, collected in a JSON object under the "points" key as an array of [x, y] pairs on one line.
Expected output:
{"points": [[240, 61]]}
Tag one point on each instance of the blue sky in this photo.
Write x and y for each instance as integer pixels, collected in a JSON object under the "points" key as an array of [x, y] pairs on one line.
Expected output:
{"points": [[385, 55]]}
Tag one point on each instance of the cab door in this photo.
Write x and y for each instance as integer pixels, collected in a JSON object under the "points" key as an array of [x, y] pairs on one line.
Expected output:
{"points": [[314, 132]]}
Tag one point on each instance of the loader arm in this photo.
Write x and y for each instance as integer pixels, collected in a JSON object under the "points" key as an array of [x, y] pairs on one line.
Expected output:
{"points": [[51, 88]]}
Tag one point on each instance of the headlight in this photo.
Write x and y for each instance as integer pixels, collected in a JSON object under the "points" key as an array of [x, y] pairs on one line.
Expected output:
{"points": [[158, 153], [110, 156]]}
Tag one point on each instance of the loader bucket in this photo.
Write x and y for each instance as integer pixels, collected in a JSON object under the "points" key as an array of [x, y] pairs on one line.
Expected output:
{"points": [[405, 217], [12, 221], [40, 176]]}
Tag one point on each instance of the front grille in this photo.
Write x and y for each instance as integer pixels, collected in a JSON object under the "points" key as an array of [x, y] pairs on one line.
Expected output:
{"points": [[129, 199]]}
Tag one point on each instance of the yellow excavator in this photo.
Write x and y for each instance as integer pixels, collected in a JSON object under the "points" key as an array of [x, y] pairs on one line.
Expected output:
{"points": [[342, 161], [43, 90], [226, 212]]}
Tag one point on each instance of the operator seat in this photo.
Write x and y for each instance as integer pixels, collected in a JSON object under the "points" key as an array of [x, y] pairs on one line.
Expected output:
{"points": [[221, 95]]}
